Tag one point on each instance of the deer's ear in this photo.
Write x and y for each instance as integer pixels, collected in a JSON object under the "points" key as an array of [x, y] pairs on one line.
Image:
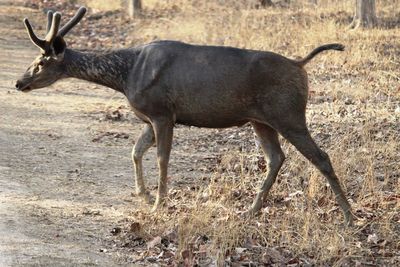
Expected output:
{"points": [[59, 46]]}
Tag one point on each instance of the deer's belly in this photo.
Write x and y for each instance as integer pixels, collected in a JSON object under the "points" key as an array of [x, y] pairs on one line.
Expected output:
{"points": [[210, 120]]}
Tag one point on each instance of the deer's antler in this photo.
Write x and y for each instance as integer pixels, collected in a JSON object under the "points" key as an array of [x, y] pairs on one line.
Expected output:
{"points": [[72, 22], [37, 41], [49, 20], [53, 24]]}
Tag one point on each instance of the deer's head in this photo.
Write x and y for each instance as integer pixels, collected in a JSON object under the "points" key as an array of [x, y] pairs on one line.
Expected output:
{"points": [[48, 67]]}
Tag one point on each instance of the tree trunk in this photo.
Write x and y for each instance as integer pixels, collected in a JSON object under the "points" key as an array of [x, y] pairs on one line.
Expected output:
{"points": [[134, 7], [265, 3], [365, 15]]}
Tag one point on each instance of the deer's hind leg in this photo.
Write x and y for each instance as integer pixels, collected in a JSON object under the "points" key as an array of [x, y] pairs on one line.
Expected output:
{"points": [[144, 142], [298, 134], [274, 156]]}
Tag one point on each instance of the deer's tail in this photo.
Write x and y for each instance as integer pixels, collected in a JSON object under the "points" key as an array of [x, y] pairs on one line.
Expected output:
{"points": [[318, 50]]}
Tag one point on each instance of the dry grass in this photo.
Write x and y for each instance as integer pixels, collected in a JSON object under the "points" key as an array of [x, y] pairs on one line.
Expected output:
{"points": [[354, 114], [301, 222], [103, 4]]}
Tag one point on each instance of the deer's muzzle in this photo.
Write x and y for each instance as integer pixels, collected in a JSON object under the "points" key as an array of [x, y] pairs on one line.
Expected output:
{"points": [[21, 87]]}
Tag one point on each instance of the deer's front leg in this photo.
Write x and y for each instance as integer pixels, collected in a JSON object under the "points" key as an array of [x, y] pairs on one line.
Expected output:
{"points": [[144, 142], [163, 129]]}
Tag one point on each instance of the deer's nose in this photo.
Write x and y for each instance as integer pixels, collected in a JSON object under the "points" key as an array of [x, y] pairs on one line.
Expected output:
{"points": [[18, 85]]}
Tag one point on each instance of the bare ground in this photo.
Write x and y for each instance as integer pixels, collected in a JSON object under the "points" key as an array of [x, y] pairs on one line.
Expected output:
{"points": [[60, 191]]}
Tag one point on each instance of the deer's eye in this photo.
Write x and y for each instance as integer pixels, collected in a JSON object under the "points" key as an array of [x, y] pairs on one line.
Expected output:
{"points": [[36, 69]]}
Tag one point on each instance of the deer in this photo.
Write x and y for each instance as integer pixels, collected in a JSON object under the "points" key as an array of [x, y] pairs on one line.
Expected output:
{"points": [[171, 82]]}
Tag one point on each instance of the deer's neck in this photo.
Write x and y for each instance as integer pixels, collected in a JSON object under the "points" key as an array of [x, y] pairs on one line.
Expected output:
{"points": [[110, 69]]}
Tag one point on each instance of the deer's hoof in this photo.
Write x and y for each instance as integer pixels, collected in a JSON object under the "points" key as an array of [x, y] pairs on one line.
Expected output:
{"points": [[250, 213], [349, 219], [145, 196], [159, 203], [254, 209], [156, 207]]}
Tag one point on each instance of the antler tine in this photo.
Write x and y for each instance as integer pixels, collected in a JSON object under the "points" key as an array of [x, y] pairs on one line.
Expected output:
{"points": [[67, 27], [49, 19], [55, 24], [37, 41]]}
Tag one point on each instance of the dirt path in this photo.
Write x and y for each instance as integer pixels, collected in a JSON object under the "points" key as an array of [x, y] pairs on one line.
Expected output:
{"points": [[60, 192]]}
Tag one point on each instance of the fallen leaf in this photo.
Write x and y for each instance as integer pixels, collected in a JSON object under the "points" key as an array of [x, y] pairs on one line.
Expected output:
{"points": [[240, 250], [135, 227], [116, 230], [156, 241], [187, 256], [272, 255], [373, 239]]}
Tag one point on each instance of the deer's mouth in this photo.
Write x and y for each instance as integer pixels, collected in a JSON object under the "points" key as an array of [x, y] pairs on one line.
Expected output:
{"points": [[25, 89], [23, 86]]}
